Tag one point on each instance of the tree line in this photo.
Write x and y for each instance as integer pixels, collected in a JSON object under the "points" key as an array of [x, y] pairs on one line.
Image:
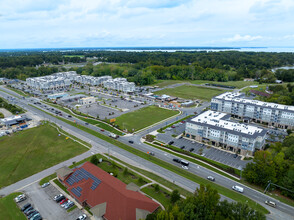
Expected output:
{"points": [[145, 68], [205, 204], [275, 164]]}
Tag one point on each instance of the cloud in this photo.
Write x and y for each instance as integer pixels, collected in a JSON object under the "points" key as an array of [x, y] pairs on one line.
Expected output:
{"points": [[46, 23], [239, 38]]}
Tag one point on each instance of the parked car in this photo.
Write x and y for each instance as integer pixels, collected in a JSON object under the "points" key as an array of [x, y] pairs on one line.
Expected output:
{"points": [[28, 210], [82, 217], [86, 123], [173, 126], [183, 122], [63, 201], [32, 214], [238, 188], [20, 198], [270, 203], [211, 178], [45, 184], [102, 130], [236, 155], [69, 116], [191, 149], [68, 205], [26, 206], [183, 147], [57, 196], [177, 160], [171, 142], [60, 199], [64, 204]]}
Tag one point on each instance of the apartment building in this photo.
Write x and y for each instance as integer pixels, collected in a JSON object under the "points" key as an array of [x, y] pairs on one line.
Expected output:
{"points": [[271, 114], [216, 128], [120, 84]]}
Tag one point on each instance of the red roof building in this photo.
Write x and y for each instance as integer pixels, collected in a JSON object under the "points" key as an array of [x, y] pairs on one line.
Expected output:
{"points": [[107, 196]]}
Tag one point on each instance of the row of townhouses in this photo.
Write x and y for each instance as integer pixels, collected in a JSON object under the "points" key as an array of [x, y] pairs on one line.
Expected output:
{"points": [[216, 128], [271, 114], [65, 79]]}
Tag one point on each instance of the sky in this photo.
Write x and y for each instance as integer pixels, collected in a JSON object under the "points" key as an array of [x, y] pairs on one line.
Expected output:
{"points": [[135, 23]]}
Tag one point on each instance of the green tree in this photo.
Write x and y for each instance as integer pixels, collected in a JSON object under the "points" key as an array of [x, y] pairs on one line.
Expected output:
{"points": [[175, 196], [94, 160]]}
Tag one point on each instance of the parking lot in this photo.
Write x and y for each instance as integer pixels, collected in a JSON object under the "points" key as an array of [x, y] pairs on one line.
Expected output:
{"points": [[42, 200], [212, 153]]}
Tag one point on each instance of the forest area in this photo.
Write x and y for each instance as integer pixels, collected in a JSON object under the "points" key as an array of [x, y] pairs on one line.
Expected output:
{"points": [[144, 68]]}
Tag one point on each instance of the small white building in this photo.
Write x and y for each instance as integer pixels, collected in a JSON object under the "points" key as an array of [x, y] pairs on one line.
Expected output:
{"points": [[87, 100]]}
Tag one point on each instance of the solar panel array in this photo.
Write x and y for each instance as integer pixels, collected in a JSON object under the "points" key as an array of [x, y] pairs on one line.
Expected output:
{"points": [[78, 176], [76, 192]]}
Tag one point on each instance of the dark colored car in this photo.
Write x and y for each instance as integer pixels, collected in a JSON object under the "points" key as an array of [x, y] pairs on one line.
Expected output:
{"points": [[236, 155], [86, 123], [191, 149], [69, 116], [171, 142], [183, 147], [28, 210], [177, 160], [60, 199], [131, 142], [32, 214], [25, 207]]}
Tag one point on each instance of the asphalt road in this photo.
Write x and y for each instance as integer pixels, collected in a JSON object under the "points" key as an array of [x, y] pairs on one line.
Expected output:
{"points": [[283, 210]]}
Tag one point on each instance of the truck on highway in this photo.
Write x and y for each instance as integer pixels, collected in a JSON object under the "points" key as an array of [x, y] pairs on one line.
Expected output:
{"points": [[115, 136]]}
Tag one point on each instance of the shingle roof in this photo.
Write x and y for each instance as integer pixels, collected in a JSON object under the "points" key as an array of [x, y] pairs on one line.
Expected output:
{"points": [[121, 202]]}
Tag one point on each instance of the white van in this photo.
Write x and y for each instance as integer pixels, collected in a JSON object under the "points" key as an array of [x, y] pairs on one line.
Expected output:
{"points": [[238, 189]]}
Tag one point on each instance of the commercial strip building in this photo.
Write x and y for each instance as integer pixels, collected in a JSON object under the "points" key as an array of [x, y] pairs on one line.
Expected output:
{"points": [[65, 79], [271, 114], [215, 128], [13, 120], [107, 197], [87, 100]]}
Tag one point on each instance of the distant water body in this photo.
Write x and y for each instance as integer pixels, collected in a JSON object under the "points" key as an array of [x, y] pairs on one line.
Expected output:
{"points": [[162, 49]]}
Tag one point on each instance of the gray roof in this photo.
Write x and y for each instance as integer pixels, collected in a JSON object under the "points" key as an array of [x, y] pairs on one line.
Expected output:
{"points": [[99, 210], [63, 171]]}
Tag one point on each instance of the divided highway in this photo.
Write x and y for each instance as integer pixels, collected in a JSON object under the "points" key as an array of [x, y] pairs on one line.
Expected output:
{"points": [[282, 211]]}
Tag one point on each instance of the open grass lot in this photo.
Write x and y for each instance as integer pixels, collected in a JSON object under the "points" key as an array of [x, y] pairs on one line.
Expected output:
{"points": [[191, 92], [31, 151], [162, 196], [237, 84], [143, 117], [163, 83], [9, 209]]}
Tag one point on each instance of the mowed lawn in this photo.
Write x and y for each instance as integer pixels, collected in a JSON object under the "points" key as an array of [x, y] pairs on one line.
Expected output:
{"points": [[33, 150], [191, 92], [237, 84], [8, 208], [143, 117]]}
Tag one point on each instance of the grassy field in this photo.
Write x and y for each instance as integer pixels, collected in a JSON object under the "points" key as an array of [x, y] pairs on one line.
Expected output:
{"points": [[33, 150], [8, 208], [237, 84], [74, 56], [191, 92], [143, 117]]}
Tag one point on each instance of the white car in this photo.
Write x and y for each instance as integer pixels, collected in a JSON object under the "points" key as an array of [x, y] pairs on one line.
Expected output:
{"points": [[185, 167], [270, 203], [82, 217], [45, 184], [20, 198], [238, 189]]}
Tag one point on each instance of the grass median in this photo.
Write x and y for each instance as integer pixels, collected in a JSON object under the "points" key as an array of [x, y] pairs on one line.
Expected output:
{"points": [[8, 208]]}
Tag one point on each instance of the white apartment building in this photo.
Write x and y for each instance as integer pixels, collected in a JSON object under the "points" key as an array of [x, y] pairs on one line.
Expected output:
{"points": [[215, 127], [272, 114], [120, 84]]}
